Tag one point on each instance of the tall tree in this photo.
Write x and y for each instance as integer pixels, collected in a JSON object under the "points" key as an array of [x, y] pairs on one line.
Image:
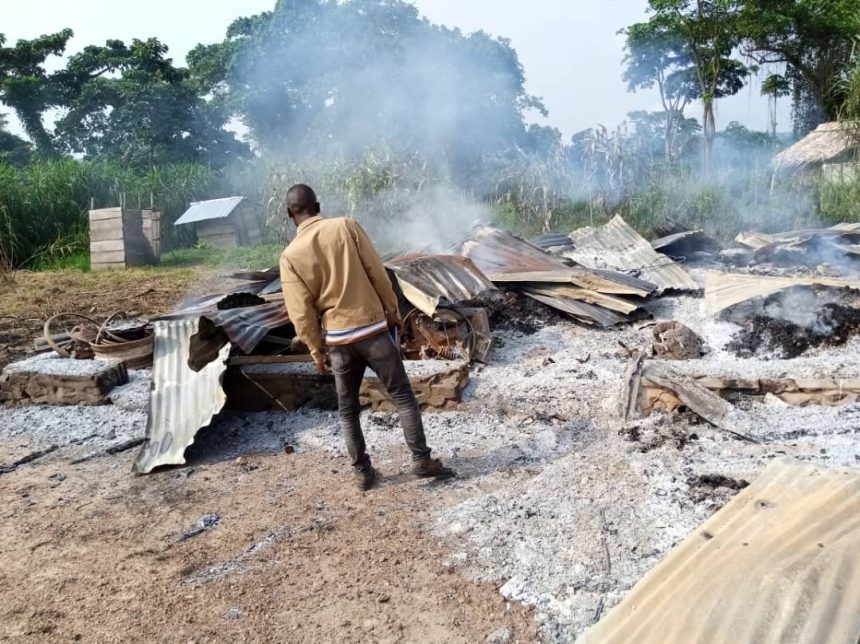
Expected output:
{"points": [[314, 77], [657, 56], [812, 40], [774, 87], [131, 103], [27, 88], [13, 149], [708, 30]]}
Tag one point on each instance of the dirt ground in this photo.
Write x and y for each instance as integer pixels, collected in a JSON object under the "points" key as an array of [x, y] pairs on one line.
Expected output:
{"points": [[28, 299], [91, 553]]}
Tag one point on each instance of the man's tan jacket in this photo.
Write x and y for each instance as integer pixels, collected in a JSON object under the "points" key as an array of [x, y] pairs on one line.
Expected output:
{"points": [[333, 279]]}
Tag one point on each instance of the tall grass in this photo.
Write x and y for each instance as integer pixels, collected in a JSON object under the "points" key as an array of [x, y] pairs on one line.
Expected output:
{"points": [[44, 205]]}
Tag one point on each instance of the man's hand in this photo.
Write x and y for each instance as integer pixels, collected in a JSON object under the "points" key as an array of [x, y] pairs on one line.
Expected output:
{"points": [[322, 367], [394, 322]]}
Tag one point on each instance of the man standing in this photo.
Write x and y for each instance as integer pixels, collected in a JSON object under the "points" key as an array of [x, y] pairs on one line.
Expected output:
{"points": [[338, 295]]}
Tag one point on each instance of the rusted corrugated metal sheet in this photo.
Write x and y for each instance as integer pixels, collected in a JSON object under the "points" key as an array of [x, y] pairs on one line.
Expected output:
{"points": [[778, 564], [182, 401], [617, 246], [428, 279], [496, 251], [585, 312], [591, 296], [247, 326]]}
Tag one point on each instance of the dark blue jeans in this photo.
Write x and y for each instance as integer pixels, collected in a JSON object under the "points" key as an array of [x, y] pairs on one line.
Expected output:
{"points": [[348, 363]]}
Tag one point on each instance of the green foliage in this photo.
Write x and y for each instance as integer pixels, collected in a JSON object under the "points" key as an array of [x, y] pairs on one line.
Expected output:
{"points": [[321, 78], [813, 39], [27, 87], [687, 49], [45, 204], [131, 104], [242, 258]]}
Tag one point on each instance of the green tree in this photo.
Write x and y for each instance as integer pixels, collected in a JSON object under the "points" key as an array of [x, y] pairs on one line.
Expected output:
{"points": [[657, 56], [813, 40], [13, 149], [27, 88], [774, 87], [132, 104], [703, 33], [316, 77]]}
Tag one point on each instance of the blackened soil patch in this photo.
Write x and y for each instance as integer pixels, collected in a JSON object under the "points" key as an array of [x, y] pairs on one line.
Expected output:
{"points": [[833, 326], [513, 311]]}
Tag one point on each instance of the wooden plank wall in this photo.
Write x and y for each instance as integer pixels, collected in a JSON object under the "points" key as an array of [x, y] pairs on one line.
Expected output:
{"points": [[107, 249], [218, 233], [123, 237], [247, 224]]}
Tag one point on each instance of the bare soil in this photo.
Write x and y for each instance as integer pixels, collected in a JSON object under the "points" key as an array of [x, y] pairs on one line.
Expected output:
{"points": [[28, 299], [91, 553]]}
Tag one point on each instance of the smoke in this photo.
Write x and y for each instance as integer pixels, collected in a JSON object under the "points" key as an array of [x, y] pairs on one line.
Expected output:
{"points": [[330, 80], [433, 220]]}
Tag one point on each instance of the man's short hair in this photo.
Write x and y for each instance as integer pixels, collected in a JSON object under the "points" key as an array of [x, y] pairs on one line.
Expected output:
{"points": [[301, 200]]}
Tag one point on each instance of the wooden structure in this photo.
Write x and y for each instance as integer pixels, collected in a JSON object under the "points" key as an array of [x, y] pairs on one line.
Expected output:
{"points": [[121, 237], [223, 223]]}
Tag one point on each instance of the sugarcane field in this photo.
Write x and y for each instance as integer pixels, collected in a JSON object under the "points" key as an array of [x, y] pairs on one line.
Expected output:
{"points": [[373, 321]]}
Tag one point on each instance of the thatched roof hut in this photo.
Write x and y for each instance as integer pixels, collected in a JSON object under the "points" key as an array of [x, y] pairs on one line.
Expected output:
{"points": [[828, 143]]}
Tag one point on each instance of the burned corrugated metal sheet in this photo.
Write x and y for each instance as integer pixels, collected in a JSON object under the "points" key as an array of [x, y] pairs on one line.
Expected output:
{"points": [[724, 290], [617, 246], [608, 282], [549, 241], [182, 401], [778, 564], [426, 280], [583, 293], [212, 209], [247, 326], [585, 312], [496, 251]]}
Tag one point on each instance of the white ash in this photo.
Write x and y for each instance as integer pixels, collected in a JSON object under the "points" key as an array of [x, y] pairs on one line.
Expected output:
{"points": [[134, 395], [285, 368], [543, 537], [52, 364], [414, 368], [550, 483], [38, 426]]}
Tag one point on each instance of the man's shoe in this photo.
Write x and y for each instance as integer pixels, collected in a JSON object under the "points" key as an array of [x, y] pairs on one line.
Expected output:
{"points": [[432, 468], [365, 479]]}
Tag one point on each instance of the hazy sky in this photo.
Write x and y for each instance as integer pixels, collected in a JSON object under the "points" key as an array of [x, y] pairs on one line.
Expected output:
{"points": [[570, 49]]}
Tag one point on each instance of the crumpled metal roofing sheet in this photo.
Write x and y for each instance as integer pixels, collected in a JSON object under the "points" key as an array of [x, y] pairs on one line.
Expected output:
{"points": [[609, 282], [212, 209], [182, 401], [617, 246], [426, 280], [724, 290], [496, 251], [247, 326], [585, 312], [778, 564]]}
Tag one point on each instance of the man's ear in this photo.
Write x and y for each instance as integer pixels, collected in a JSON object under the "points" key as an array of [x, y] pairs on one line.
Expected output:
{"points": [[290, 213], [317, 207]]}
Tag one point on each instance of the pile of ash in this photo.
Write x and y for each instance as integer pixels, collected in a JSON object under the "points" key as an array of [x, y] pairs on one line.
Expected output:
{"points": [[833, 324], [513, 311]]}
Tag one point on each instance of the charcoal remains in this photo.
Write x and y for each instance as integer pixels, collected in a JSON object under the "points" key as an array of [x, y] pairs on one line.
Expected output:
{"points": [[513, 311], [834, 324]]}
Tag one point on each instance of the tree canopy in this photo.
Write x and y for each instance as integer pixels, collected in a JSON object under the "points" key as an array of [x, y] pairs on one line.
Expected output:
{"points": [[317, 77]]}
